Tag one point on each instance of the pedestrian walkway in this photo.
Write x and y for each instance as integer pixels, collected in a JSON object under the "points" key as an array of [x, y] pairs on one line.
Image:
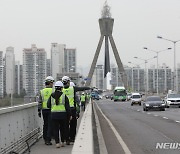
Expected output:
{"points": [[41, 148]]}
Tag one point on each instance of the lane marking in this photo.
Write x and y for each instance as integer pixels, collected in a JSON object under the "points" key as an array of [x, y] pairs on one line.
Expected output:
{"points": [[148, 113], [119, 138], [156, 115], [165, 117], [138, 110], [177, 121]]}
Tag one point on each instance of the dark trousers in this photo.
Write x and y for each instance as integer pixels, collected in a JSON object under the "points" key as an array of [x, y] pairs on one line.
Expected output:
{"points": [[47, 124], [73, 125], [59, 124], [83, 105]]}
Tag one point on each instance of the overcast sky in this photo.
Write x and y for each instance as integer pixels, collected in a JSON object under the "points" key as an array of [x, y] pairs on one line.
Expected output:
{"points": [[75, 23]]}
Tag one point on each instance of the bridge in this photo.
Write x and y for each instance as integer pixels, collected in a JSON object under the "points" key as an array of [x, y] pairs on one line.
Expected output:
{"points": [[21, 131]]}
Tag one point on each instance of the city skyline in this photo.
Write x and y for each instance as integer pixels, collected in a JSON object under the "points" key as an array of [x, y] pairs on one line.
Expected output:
{"points": [[75, 24]]}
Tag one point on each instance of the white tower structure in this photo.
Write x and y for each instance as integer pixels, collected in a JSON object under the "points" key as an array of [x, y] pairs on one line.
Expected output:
{"points": [[34, 69], [57, 59], [9, 66]]}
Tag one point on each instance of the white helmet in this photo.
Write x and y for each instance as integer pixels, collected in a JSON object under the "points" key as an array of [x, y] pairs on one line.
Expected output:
{"points": [[65, 79], [58, 84], [49, 79], [72, 84]]}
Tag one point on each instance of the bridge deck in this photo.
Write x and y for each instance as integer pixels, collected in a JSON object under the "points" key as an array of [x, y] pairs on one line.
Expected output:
{"points": [[40, 147]]}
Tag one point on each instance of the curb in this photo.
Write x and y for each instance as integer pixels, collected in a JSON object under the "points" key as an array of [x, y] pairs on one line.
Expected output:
{"points": [[102, 146]]}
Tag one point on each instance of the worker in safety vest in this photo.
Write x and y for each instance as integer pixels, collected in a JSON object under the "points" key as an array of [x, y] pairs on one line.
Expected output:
{"points": [[60, 113], [83, 101], [46, 112], [77, 100], [71, 92]]}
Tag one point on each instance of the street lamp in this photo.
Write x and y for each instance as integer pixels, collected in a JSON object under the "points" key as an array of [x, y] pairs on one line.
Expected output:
{"points": [[145, 76], [157, 52], [174, 42]]}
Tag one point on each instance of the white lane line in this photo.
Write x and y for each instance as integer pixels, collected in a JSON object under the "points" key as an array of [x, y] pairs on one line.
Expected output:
{"points": [[138, 110], [165, 117], [148, 113], [156, 115], [177, 121], [119, 138]]}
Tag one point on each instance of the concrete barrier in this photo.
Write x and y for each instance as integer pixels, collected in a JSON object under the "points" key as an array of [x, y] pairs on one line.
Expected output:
{"points": [[16, 122], [84, 138]]}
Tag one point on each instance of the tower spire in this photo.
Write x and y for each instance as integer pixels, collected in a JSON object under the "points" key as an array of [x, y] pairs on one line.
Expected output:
{"points": [[105, 13]]}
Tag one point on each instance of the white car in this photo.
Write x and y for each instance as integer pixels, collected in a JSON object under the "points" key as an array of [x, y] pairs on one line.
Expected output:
{"points": [[172, 100], [136, 99]]}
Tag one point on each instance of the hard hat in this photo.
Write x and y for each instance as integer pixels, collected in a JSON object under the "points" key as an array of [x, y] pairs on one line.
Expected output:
{"points": [[58, 84], [49, 79], [82, 93], [72, 84], [65, 79]]}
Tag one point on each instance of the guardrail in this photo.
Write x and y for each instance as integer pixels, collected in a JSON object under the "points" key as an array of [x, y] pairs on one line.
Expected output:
{"points": [[18, 124]]}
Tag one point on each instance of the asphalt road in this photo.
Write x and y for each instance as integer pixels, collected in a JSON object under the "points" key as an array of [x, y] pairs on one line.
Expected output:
{"points": [[139, 130]]}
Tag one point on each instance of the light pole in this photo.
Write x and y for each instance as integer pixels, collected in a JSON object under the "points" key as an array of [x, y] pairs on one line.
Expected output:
{"points": [[145, 75], [157, 52], [174, 42]]}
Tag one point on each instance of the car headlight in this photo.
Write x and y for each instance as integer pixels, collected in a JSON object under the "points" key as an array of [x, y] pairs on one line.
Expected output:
{"points": [[163, 104], [147, 104], [168, 101]]}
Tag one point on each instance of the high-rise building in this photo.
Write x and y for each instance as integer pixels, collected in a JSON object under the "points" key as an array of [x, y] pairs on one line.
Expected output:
{"points": [[70, 60], [135, 79], [18, 78], [34, 69], [48, 67], [164, 80], [57, 59], [99, 74], [178, 78], [1, 75], [10, 70]]}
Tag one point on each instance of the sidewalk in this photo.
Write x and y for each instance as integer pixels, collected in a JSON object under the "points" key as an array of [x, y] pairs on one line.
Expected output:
{"points": [[41, 148]]}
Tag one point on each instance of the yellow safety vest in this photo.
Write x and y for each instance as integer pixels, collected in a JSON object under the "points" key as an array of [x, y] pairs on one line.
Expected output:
{"points": [[83, 98], [69, 92], [60, 107], [45, 94]]}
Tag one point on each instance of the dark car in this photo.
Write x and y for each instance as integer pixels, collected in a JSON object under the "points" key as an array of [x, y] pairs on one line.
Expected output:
{"points": [[95, 95], [153, 102]]}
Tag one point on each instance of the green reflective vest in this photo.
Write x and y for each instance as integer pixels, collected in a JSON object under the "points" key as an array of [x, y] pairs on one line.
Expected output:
{"points": [[60, 107], [83, 98], [69, 92], [45, 94]]}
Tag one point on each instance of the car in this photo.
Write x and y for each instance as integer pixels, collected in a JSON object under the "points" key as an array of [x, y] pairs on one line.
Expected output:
{"points": [[128, 96], [95, 95], [154, 102], [172, 99], [136, 99], [108, 96]]}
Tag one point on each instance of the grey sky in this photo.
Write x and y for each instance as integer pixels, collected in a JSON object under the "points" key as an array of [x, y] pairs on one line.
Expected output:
{"points": [[75, 23]]}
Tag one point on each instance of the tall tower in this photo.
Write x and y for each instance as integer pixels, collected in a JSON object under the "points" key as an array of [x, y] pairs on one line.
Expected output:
{"points": [[70, 60], [1, 75], [10, 65], [34, 69], [57, 59], [106, 27]]}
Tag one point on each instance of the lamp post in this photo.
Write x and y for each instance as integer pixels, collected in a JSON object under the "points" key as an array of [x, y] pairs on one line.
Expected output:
{"points": [[145, 75], [157, 79], [174, 76]]}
